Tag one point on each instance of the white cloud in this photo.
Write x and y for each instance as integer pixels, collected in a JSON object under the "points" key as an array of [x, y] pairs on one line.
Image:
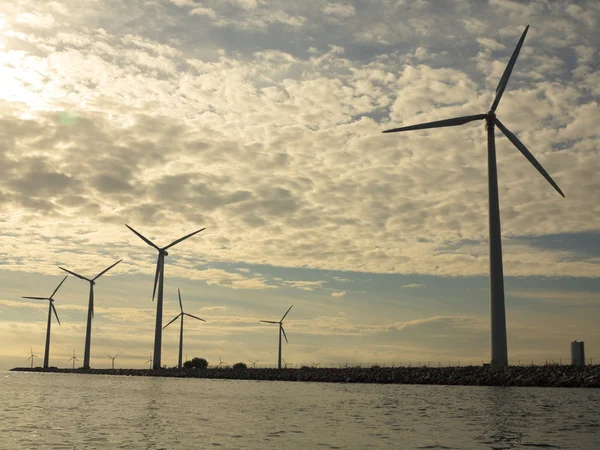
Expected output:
{"points": [[338, 294], [414, 285], [339, 9]]}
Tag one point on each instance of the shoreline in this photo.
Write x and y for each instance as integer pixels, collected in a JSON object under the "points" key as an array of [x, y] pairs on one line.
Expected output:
{"points": [[516, 376]]}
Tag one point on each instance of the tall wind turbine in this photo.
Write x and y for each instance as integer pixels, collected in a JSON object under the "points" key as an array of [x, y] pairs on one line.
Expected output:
{"points": [[281, 331], [498, 318], [159, 280], [253, 362], [113, 359], [181, 314], [51, 308], [90, 315], [74, 358], [31, 357]]}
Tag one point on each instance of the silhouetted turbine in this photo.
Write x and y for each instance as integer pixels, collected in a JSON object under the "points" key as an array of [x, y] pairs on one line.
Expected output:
{"points": [[159, 281], [181, 314], [90, 315], [281, 331], [113, 359], [31, 357], [74, 358], [221, 362], [50, 309], [149, 362], [498, 317], [253, 362]]}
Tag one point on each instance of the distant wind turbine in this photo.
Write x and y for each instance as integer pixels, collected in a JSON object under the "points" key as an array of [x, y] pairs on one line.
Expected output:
{"points": [[253, 362], [74, 358], [181, 314], [31, 357], [90, 315], [499, 350], [113, 359], [316, 365], [149, 362], [51, 308], [281, 331], [221, 362], [284, 363], [159, 281]]}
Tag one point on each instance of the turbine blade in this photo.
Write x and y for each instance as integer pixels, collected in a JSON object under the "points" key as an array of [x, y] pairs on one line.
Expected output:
{"points": [[515, 140], [506, 75], [180, 305], [265, 321], [58, 287], [191, 315], [439, 123], [74, 274], [147, 241], [284, 335], [55, 313], [286, 313], [184, 238], [37, 298], [158, 269], [106, 270], [29, 358], [176, 317]]}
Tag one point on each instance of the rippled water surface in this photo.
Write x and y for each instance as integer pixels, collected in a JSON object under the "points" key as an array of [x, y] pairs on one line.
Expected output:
{"points": [[87, 411]]}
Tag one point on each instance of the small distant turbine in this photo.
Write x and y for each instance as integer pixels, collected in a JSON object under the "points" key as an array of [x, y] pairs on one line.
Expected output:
{"points": [[51, 309], [74, 358], [284, 364], [181, 314], [253, 362], [113, 359], [149, 362], [159, 281], [221, 362], [90, 315], [31, 357], [281, 331], [316, 365], [497, 307]]}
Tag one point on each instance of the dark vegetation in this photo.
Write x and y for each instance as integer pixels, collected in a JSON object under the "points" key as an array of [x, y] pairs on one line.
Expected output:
{"points": [[540, 376]]}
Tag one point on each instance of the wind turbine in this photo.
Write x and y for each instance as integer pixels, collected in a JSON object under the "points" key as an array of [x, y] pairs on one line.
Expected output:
{"points": [[281, 331], [316, 365], [253, 362], [51, 308], [181, 314], [31, 357], [284, 363], [114, 357], [74, 358], [149, 362], [90, 315], [221, 362], [498, 318], [159, 280]]}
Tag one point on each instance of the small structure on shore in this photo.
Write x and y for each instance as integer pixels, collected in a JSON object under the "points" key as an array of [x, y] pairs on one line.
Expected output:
{"points": [[577, 353]]}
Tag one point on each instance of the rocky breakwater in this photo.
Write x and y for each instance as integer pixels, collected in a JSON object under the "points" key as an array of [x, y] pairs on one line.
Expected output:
{"points": [[525, 376]]}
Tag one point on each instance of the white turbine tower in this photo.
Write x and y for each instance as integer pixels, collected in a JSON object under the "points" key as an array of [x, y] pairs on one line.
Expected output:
{"points": [[499, 351], [181, 314], [159, 281], [31, 357], [281, 331], [51, 308], [90, 314]]}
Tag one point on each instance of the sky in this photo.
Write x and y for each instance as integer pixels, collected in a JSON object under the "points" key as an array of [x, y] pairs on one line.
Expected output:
{"points": [[261, 121]]}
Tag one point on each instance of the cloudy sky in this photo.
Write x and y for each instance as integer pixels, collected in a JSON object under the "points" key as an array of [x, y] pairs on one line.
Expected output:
{"points": [[261, 121]]}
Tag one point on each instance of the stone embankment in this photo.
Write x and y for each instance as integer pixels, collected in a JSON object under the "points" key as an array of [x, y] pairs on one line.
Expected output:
{"points": [[538, 376]]}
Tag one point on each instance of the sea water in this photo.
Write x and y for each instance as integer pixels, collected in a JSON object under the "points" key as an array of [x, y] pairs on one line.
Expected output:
{"points": [[62, 411]]}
